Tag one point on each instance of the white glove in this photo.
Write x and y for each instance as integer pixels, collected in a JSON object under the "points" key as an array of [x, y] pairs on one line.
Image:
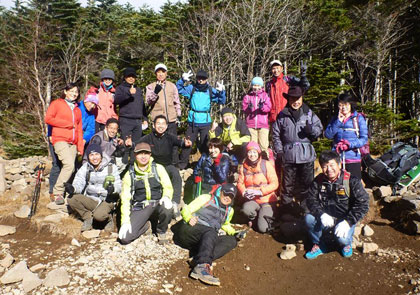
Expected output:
{"points": [[186, 76], [166, 202], [220, 86], [327, 220], [125, 228], [144, 125], [342, 229]]}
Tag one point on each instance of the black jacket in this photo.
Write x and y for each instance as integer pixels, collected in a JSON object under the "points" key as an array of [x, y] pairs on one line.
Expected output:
{"points": [[162, 146], [131, 106], [330, 198]]}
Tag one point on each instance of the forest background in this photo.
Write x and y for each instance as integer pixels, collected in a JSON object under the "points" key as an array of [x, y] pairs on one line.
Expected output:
{"points": [[371, 48]]}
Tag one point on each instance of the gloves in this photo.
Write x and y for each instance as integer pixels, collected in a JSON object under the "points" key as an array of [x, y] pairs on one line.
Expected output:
{"points": [[327, 220], [252, 193], [342, 145], [240, 235], [158, 88], [125, 228], [197, 179], [308, 128], [261, 104], [69, 188], [110, 189], [166, 202], [342, 229], [186, 76], [250, 106], [220, 86], [303, 67]]}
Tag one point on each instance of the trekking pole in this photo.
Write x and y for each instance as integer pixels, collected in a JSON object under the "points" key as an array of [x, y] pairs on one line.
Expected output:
{"points": [[37, 191], [344, 160]]}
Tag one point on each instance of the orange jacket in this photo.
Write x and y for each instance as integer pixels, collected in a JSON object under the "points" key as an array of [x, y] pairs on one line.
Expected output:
{"points": [[256, 179], [66, 123]]}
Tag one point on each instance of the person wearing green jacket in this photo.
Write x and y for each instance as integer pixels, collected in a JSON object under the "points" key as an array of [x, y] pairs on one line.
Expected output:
{"points": [[199, 230], [146, 191]]}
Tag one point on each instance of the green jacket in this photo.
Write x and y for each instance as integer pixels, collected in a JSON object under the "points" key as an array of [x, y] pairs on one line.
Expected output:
{"points": [[237, 132]]}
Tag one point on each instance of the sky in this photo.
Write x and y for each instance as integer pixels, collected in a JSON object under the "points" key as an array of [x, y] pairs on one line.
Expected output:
{"points": [[155, 4]]}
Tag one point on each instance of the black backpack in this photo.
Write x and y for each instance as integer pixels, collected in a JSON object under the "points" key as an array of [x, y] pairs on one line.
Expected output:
{"points": [[391, 166]]}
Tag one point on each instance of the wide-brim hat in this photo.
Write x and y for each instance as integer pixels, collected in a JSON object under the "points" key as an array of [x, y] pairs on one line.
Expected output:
{"points": [[294, 92]]}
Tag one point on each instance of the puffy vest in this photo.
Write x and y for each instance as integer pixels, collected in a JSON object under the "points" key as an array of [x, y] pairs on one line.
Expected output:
{"points": [[140, 184], [165, 102], [211, 214]]}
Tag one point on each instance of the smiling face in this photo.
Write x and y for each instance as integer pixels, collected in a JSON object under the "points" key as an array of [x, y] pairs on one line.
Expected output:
{"points": [[112, 129], [331, 169], [276, 70], [256, 87], [95, 159], [161, 75], [130, 79], [72, 93], [253, 155], [89, 106], [143, 158], [214, 151], [228, 119], [107, 81], [295, 102], [225, 199], [344, 108], [160, 126]]}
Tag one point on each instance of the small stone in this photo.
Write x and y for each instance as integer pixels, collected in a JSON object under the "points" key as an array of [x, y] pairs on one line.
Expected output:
{"points": [[369, 247], [75, 242], [91, 234], [7, 261], [7, 230], [357, 230], [16, 273], [178, 289], [368, 231], [247, 268], [54, 206], [288, 252], [57, 278], [413, 282], [37, 267], [167, 286], [30, 282], [23, 212]]}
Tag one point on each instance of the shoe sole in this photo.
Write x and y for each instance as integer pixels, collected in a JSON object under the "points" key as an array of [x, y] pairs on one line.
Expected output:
{"points": [[312, 258], [196, 276]]}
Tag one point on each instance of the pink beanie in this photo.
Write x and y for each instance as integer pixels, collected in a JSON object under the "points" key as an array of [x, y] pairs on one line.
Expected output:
{"points": [[252, 145]]}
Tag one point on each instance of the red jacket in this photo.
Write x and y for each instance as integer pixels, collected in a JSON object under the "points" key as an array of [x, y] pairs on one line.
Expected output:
{"points": [[276, 87], [66, 123]]}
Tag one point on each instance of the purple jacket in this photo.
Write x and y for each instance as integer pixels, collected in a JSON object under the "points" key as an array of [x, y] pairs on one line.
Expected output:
{"points": [[256, 117]]}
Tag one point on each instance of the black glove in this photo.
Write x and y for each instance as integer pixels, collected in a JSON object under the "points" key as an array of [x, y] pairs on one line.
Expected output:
{"points": [[303, 67], [240, 235], [308, 128], [261, 104], [69, 188], [250, 106], [110, 189], [158, 88]]}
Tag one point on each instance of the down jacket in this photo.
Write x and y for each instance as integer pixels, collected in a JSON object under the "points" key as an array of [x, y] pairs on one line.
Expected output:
{"points": [[291, 141], [88, 121], [211, 172], [256, 117]]}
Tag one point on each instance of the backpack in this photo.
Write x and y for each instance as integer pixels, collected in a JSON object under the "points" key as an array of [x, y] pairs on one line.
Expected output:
{"points": [[133, 176], [364, 150], [391, 166]]}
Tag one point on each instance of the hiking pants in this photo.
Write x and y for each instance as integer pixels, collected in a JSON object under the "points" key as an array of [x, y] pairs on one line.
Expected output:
{"points": [[66, 153], [260, 135], [203, 241], [89, 208], [315, 230], [252, 209], [297, 179], [55, 169], [355, 169], [176, 180], [172, 129], [140, 216], [131, 127], [192, 133]]}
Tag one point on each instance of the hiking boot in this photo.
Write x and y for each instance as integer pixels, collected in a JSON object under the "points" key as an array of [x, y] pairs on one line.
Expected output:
{"points": [[59, 200], [162, 239], [314, 253], [87, 225], [52, 198], [203, 273], [109, 227], [347, 251]]}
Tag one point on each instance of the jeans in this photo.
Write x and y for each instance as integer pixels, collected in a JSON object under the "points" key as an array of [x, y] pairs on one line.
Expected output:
{"points": [[316, 229], [55, 169]]}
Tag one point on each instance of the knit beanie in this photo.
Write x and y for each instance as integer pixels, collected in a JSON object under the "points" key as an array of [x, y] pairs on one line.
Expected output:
{"points": [[257, 81]]}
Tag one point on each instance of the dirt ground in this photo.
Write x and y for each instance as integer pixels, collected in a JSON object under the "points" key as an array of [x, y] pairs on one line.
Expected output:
{"points": [[254, 267]]}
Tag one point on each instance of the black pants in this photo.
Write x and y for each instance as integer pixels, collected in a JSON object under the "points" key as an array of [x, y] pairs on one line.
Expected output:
{"points": [[192, 133], [131, 127], [176, 180], [355, 169], [296, 181], [203, 242], [172, 129]]}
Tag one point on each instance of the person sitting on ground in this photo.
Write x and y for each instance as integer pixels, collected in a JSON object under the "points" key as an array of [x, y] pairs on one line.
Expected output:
{"points": [[106, 107], [234, 134], [200, 96], [199, 231], [349, 132], [89, 112], [95, 189], [147, 190], [162, 144], [256, 106], [336, 202], [257, 184], [212, 168]]}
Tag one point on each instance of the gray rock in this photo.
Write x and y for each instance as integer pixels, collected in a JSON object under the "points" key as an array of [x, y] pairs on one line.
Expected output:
{"points": [[357, 230], [7, 261], [368, 231], [16, 273], [19, 182], [369, 247], [57, 278], [55, 218], [382, 192], [7, 230], [288, 252], [91, 234], [30, 282], [23, 212]]}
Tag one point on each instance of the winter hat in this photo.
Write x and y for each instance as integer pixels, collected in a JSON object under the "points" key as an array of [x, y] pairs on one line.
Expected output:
{"points": [[257, 81], [107, 74], [202, 74], [252, 145], [227, 111], [129, 72], [92, 97], [94, 148], [276, 62], [161, 67], [229, 189], [294, 92]]}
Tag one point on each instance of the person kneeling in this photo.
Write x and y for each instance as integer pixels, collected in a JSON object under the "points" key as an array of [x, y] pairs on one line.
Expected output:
{"points": [[147, 190], [336, 202], [96, 186], [199, 230]]}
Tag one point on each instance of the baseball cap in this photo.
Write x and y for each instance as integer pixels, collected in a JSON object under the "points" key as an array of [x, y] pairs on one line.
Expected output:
{"points": [[161, 66], [142, 146]]}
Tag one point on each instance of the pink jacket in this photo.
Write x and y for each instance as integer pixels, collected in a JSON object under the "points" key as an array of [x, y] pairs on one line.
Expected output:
{"points": [[106, 107], [256, 117]]}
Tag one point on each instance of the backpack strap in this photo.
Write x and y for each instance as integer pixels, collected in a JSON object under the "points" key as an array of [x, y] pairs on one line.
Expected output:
{"points": [[87, 179], [346, 182], [155, 172], [133, 178]]}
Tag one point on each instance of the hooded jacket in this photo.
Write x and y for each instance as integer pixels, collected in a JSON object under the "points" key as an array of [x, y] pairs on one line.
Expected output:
{"points": [[106, 107], [256, 117], [237, 132], [88, 121]]}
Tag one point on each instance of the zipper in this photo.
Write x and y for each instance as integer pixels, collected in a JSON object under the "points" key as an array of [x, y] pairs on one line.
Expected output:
{"points": [[166, 103]]}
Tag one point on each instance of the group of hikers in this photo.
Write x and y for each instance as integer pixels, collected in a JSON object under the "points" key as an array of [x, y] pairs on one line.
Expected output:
{"points": [[138, 176]]}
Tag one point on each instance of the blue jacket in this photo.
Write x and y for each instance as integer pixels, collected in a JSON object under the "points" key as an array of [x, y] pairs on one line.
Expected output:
{"points": [[210, 172], [88, 122], [337, 131], [200, 102]]}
